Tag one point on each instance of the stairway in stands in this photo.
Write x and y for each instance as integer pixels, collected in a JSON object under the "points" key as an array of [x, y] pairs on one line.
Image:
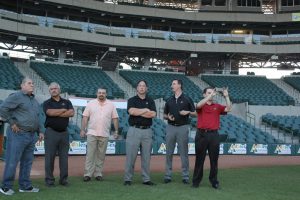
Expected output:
{"points": [[202, 85], [122, 83], [41, 88], [288, 89]]}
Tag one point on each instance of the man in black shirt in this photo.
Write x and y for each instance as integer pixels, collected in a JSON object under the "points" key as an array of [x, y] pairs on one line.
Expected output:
{"points": [[141, 109], [58, 111], [177, 110]]}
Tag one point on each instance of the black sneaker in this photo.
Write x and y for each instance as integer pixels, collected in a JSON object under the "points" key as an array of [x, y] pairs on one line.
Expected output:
{"points": [[30, 189], [6, 191], [185, 181]]}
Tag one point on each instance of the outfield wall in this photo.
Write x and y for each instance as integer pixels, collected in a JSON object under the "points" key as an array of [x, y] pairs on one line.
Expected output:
{"points": [[117, 147]]}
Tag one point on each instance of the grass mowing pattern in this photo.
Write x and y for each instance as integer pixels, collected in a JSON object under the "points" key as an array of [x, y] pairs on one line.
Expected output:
{"points": [[270, 183]]}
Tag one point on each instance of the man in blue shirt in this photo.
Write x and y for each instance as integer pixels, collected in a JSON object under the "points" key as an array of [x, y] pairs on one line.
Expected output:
{"points": [[21, 110]]}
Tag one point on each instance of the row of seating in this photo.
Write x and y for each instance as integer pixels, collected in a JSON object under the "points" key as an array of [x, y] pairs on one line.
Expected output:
{"points": [[236, 130], [256, 90], [159, 84], [280, 41], [288, 124], [232, 130], [9, 75], [294, 81], [79, 81]]}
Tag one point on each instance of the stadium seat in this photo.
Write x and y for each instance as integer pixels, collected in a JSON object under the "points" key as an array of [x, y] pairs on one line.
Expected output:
{"points": [[79, 81], [256, 90], [159, 83]]}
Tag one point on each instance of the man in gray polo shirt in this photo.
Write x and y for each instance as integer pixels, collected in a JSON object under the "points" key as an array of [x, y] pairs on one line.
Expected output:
{"points": [[21, 110]]}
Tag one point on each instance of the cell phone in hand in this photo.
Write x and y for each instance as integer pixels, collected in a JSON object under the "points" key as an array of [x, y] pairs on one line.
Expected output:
{"points": [[219, 89]]}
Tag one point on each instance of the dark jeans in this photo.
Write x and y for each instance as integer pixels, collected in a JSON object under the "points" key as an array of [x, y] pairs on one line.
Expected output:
{"points": [[20, 148], [56, 142], [206, 141]]}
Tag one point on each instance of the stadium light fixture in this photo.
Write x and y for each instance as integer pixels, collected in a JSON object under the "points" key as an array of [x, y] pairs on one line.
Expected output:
{"points": [[238, 31], [194, 55], [121, 16], [183, 22], [163, 20], [23, 38], [102, 14], [204, 23], [143, 18], [59, 7], [82, 10], [244, 25], [36, 3], [112, 49]]}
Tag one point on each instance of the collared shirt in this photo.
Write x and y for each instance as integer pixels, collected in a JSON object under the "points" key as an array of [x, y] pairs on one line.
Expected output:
{"points": [[174, 105], [23, 110], [137, 102], [209, 116], [57, 123], [100, 117]]}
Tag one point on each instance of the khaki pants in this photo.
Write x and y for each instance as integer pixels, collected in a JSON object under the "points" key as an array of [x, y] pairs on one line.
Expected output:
{"points": [[95, 155]]}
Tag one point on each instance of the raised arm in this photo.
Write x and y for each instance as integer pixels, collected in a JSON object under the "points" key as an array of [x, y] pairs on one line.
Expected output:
{"points": [[227, 99], [205, 100]]}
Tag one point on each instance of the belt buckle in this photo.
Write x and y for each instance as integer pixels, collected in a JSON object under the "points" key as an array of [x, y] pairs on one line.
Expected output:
{"points": [[204, 130]]}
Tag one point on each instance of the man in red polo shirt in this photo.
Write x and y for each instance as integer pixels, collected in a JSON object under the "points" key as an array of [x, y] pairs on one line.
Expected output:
{"points": [[207, 137]]}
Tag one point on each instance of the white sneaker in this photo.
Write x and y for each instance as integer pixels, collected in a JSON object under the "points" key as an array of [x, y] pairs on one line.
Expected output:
{"points": [[6, 191], [31, 189]]}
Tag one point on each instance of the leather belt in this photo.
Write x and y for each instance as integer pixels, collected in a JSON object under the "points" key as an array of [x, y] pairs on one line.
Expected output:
{"points": [[206, 130], [174, 124], [141, 127]]}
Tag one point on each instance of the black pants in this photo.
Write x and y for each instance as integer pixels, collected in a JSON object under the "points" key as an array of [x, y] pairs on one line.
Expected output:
{"points": [[206, 141], [56, 142]]}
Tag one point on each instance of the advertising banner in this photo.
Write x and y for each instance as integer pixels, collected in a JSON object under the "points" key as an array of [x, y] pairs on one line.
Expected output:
{"points": [[258, 149], [237, 149]]}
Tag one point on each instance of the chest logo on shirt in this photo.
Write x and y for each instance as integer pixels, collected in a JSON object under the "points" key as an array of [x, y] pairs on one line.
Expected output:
{"points": [[146, 102], [214, 109], [181, 101], [63, 104]]}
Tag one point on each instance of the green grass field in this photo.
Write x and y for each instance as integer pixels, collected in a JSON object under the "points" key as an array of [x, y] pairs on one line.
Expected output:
{"points": [[270, 183]]}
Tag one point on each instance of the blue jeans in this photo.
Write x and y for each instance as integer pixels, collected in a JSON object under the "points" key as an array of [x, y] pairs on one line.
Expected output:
{"points": [[19, 148]]}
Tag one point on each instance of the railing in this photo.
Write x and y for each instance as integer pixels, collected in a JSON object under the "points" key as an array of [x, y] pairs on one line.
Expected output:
{"points": [[245, 39], [250, 117]]}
